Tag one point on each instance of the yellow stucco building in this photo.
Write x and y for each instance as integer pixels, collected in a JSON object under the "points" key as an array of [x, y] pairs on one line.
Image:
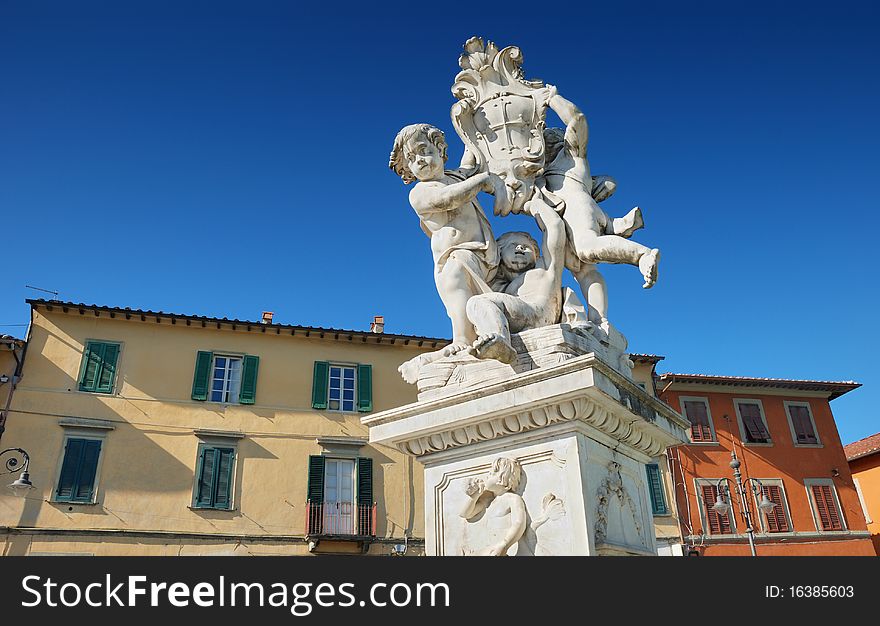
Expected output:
{"points": [[152, 433]]}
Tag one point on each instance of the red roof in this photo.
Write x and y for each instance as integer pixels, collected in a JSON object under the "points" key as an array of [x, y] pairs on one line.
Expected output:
{"points": [[862, 447], [834, 389]]}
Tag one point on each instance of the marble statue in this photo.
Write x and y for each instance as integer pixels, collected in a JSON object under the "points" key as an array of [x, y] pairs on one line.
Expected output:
{"points": [[532, 295], [501, 118], [494, 288], [536, 385], [503, 508], [464, 249], [592, 235]]}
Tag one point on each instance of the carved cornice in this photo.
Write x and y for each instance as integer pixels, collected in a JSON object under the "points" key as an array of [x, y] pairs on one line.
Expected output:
{"points": [[613, 423]]}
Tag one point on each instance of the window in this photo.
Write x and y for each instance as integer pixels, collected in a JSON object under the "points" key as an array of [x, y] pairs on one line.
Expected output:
{"points": [[655, 489], [225, 378], [713, 523], [777, 520], [696, 410], [97, 372], [826, 508], [751, 421], [340, 496], [800, 420], [341, 387], [215, 471], [79, 469]]}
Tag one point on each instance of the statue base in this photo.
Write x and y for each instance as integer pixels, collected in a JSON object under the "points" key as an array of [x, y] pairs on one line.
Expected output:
{"points": [[577, 425]]}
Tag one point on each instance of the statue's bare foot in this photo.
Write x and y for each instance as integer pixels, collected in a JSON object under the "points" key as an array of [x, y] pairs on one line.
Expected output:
{"points": [[494, 346], [455, 347], [648, 267]]}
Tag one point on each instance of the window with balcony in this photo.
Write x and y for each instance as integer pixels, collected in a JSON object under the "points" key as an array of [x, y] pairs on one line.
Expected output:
{"points": [[340, 497]]}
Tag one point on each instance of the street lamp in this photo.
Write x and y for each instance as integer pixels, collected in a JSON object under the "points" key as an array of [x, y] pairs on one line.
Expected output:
{"points": [[18, 457], [722, 507]]}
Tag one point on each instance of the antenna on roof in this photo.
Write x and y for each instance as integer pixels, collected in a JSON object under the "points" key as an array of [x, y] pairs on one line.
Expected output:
{"points": [[54, 293]]}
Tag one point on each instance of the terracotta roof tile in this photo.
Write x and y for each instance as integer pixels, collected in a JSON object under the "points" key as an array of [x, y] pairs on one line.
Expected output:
{"points": [[862, 447]]}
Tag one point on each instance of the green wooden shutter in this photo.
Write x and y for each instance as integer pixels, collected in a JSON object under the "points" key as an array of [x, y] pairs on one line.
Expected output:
{"points": [[655, 489], [248, 392], [316, 479], [365, 496], [88, 469], [315, 495], [202, 375], [205, 477], [73, 452], [320, 386], [107, 375], [223, 478], [365, 388], [364, 480], [91, 366]]}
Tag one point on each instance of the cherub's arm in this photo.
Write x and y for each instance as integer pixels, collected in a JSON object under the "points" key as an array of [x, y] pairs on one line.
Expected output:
{"points": [[576, 129], [515, 530], [436, 197]]}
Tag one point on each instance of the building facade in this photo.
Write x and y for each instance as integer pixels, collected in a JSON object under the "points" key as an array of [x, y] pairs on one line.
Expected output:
{"points": [[667, 526], [784, 436], [864, 463], [152, 433]]}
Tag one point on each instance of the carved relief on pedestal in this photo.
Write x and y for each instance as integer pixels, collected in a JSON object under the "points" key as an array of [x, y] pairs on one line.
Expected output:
{"points": [[494, 499], [547, 535], [612, 496]]}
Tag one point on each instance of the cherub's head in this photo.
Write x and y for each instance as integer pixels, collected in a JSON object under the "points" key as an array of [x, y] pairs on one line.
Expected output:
{"points": [[519, 251], [554, 139], [419, 153], [505, 473]]}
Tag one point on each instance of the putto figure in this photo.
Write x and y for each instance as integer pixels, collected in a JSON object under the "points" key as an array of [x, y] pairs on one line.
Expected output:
{"points": [[528, 289], [464, 249], [593, 236], [505, 509]]}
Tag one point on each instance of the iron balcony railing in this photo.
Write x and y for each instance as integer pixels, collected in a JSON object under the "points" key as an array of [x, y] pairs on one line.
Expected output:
{"points": [[341, 518]]}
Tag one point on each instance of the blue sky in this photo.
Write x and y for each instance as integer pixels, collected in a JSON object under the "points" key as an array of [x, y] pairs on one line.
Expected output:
{"points": [[228, 158]]}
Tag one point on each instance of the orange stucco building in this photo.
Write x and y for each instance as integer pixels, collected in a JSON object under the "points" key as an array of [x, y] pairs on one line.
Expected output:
{"points": [[864, 463], [784, 435]]}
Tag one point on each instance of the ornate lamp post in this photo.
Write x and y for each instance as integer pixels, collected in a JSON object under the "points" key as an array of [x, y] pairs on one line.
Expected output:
{"points": [[18, 460], [722, 507]]}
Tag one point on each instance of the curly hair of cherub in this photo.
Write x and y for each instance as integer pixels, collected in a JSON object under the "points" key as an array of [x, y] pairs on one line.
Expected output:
{"points": [[509, 472], [398, 162]]}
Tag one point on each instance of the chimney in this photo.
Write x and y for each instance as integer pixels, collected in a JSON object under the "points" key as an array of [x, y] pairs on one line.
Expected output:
{"points": [[378, 324], [267, 317]]}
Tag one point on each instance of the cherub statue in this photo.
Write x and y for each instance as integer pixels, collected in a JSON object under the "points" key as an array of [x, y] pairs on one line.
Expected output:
{"points": [[593, 236], [464, 249], [533, 296], [505, 509]]}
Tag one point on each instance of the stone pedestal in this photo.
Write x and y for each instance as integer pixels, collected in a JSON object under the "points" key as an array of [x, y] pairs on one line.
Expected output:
{"points": [[578, 426]]}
